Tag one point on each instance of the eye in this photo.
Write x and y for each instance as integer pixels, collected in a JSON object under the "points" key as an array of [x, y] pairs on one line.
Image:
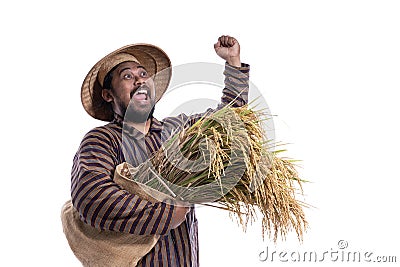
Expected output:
{"points": [[128, 76], [143, 74]]}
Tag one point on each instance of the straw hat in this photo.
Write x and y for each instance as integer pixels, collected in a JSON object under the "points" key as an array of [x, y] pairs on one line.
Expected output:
{"points": [[155, 61]]}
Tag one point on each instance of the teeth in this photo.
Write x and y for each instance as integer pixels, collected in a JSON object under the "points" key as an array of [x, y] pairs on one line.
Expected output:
{"points": [[142, 91]]}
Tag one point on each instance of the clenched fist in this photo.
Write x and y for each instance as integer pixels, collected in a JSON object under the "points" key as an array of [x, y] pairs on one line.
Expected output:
{"points": [[228, 48]]}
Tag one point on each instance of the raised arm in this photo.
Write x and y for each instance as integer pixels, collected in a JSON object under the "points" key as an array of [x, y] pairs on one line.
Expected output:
{"points": [[235, 92], [236, 73]]}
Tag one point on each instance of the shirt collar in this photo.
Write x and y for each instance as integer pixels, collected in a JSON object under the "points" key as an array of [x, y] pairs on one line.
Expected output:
{"points": [[118, 119], [155, 126]]}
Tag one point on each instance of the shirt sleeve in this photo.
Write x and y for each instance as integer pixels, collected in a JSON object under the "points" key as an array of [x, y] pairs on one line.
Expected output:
{"points": [[236, 86], [235, 92], [101, 202]]}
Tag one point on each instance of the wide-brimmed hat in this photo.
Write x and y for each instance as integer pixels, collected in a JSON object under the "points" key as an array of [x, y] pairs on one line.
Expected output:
{"points": [[155, 60]]}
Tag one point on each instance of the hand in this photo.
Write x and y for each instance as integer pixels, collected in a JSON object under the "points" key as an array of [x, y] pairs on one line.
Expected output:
{"points": [[179, 216], [228, 48], [181, 208]]}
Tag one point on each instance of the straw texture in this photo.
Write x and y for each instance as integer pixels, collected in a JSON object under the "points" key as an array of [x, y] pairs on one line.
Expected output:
{"points": [[224, 159], [155, 60]]}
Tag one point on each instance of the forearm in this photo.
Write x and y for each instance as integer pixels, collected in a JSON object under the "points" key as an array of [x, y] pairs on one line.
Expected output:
{"points": [[235, 93], [236, 88], [102, 203]]}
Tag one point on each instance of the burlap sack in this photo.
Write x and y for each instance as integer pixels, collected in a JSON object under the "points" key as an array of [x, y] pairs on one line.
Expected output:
{"points": [[97, 248]]}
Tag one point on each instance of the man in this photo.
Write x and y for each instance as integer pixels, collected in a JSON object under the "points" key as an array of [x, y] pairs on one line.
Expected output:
{"points": [[122, 88]]}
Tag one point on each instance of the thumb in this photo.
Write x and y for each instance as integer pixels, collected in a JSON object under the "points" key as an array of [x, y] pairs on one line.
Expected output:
{"points": [[217, 45]]}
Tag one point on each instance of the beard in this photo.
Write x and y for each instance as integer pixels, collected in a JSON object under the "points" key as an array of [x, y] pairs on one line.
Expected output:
{"points": [[139, 115]]}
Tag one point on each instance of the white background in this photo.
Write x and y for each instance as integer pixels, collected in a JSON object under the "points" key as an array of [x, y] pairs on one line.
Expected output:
{"points": [[330, 70]]}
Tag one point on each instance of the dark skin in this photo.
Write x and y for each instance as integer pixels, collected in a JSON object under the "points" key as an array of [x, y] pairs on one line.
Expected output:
{"points": [[228, 48], [130, 78]]}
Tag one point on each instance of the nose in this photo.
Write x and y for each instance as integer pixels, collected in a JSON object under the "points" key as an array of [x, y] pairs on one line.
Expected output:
{"points": [[140, 80]]}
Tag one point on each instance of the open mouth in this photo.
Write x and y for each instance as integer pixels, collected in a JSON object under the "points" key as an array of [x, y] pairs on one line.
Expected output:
{"points": [[142, 93]]}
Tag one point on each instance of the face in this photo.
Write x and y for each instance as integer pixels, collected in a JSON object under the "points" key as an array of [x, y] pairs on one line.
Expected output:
{"points": [[133, 93]]}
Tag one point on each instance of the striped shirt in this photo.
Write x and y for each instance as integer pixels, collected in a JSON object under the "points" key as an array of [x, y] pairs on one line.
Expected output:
{"points": [[101, 203]]}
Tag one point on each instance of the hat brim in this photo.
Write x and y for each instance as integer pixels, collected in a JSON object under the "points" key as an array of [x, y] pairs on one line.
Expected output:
{"points": [[156, 62]]}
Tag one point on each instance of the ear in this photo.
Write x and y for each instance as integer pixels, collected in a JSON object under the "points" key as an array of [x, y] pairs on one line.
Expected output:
{"points": [[107, 96]]}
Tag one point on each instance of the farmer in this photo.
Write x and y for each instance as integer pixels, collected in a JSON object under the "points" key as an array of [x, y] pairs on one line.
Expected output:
{"points": [[122, 89]]}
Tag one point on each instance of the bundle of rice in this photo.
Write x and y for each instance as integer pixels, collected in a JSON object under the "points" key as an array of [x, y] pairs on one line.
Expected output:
{"points": [[224, 159]]}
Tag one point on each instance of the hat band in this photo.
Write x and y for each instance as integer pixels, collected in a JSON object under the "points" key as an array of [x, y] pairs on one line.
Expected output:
{"points": [[111, 62]]}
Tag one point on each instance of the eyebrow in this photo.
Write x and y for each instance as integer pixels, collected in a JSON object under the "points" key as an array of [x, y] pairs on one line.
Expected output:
{"points": [[128, 68]]}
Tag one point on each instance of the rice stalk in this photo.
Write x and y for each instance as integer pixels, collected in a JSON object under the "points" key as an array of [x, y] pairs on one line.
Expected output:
{"points": [[224, 159]]}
